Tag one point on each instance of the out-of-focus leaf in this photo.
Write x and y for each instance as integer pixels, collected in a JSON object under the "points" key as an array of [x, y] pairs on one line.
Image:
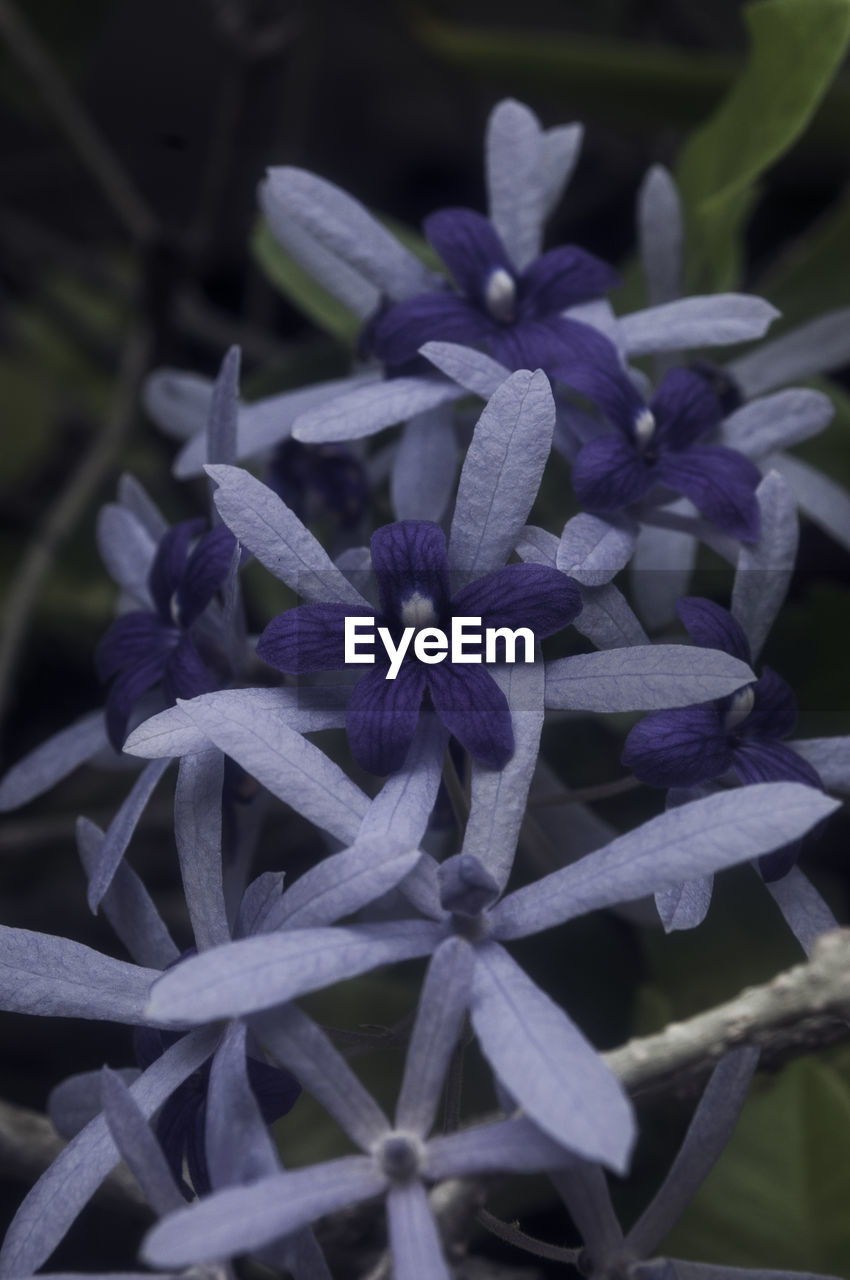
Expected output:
{"points": [[301, 289], [778, 1196], [830, 450], [797, 47], [26, 414]]}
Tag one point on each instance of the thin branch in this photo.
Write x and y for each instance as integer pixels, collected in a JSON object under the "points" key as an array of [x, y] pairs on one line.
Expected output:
{"points": [[65, 514], [799, 1010], [586, 795], [530, 1244], [74, 121]]}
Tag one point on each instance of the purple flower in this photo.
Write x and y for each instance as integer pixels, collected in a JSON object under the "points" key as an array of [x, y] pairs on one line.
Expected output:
{"points": [[412, 569], [687, 746], [320, 481], [656, 444], [516, 315], [146, 647]]}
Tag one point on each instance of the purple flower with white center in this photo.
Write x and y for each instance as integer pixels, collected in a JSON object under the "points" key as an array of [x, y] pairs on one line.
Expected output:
{"points": [[743, 733], [320, 482], [163, 645], [516, 315], [657, 445], [412, 569]]}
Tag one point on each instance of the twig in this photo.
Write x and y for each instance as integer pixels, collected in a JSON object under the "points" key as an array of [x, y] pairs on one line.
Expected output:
{"points": [[72, 502], [801, 1009], [74, 121], [530, 1244], [586, 795]]}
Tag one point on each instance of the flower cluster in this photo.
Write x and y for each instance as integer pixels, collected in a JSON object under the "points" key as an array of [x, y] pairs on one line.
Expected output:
{"points": [[223, 1048]]}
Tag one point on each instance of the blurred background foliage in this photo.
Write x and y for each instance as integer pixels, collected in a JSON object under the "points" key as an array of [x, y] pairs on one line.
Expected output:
{"points": [[155, 255]]}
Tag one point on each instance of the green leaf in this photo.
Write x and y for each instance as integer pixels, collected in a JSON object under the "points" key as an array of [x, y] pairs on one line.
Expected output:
{"points": [[301, 289], [797, 47], [778, 1195]]}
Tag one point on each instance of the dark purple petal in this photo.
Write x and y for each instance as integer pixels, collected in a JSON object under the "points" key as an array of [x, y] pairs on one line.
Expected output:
{"points": [[205, 573], [409, 558], [309, 638], [398, 333], [760, 761], [774, 713], [382, 717], [276, 1090], [522, 595], [186, 675], [589, 362], [169, 563], [565, 348], [562, 278], [131, 640], [125, 693], [473, 708], [720, 483], [678, 748], [468, 244], [609, 474], [710, 626], [684, 408], [196, 1147], [175, 1123]]}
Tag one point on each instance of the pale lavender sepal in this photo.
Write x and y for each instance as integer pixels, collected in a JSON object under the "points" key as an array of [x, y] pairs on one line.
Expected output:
{"points": [[593, 550], [274, 534], [642, 678], [501, 474], [244, 1219], [470, 369], [362, 412], [515, 190], [268, 422], [133, 495], [515, 1145], [545, 1062], [56, 977], [825, 503], [120, 830], [685, 905], [346, 228], [708, 1133], [498, 796], [127, 549], [197, 830], [76, 1101], [583, 1188], [259, 899], [694, 839], [804, 910], [608, 620], [137, 1146], [421, 887], [401, 809], [414, 1239], [301, 1046], [443, 1003], [258, 973], [56, 1199], [776, 421], [816, 347], [660, 235], [559, 153], [714, 320], [128, 906], [710, 1271], [178, 402], [425, 467], [175, 733], [661, 569], [343, 883], [765, 568], [224, 411], [52, 761], [537, 546], [238, 1145], [831, 758], [288, 765]]}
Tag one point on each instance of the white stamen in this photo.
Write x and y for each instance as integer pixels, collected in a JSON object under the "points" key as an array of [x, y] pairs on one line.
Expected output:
{"points": [[500, 295], [418, 611], [644, 427], [174, 610], [739, 708]]}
